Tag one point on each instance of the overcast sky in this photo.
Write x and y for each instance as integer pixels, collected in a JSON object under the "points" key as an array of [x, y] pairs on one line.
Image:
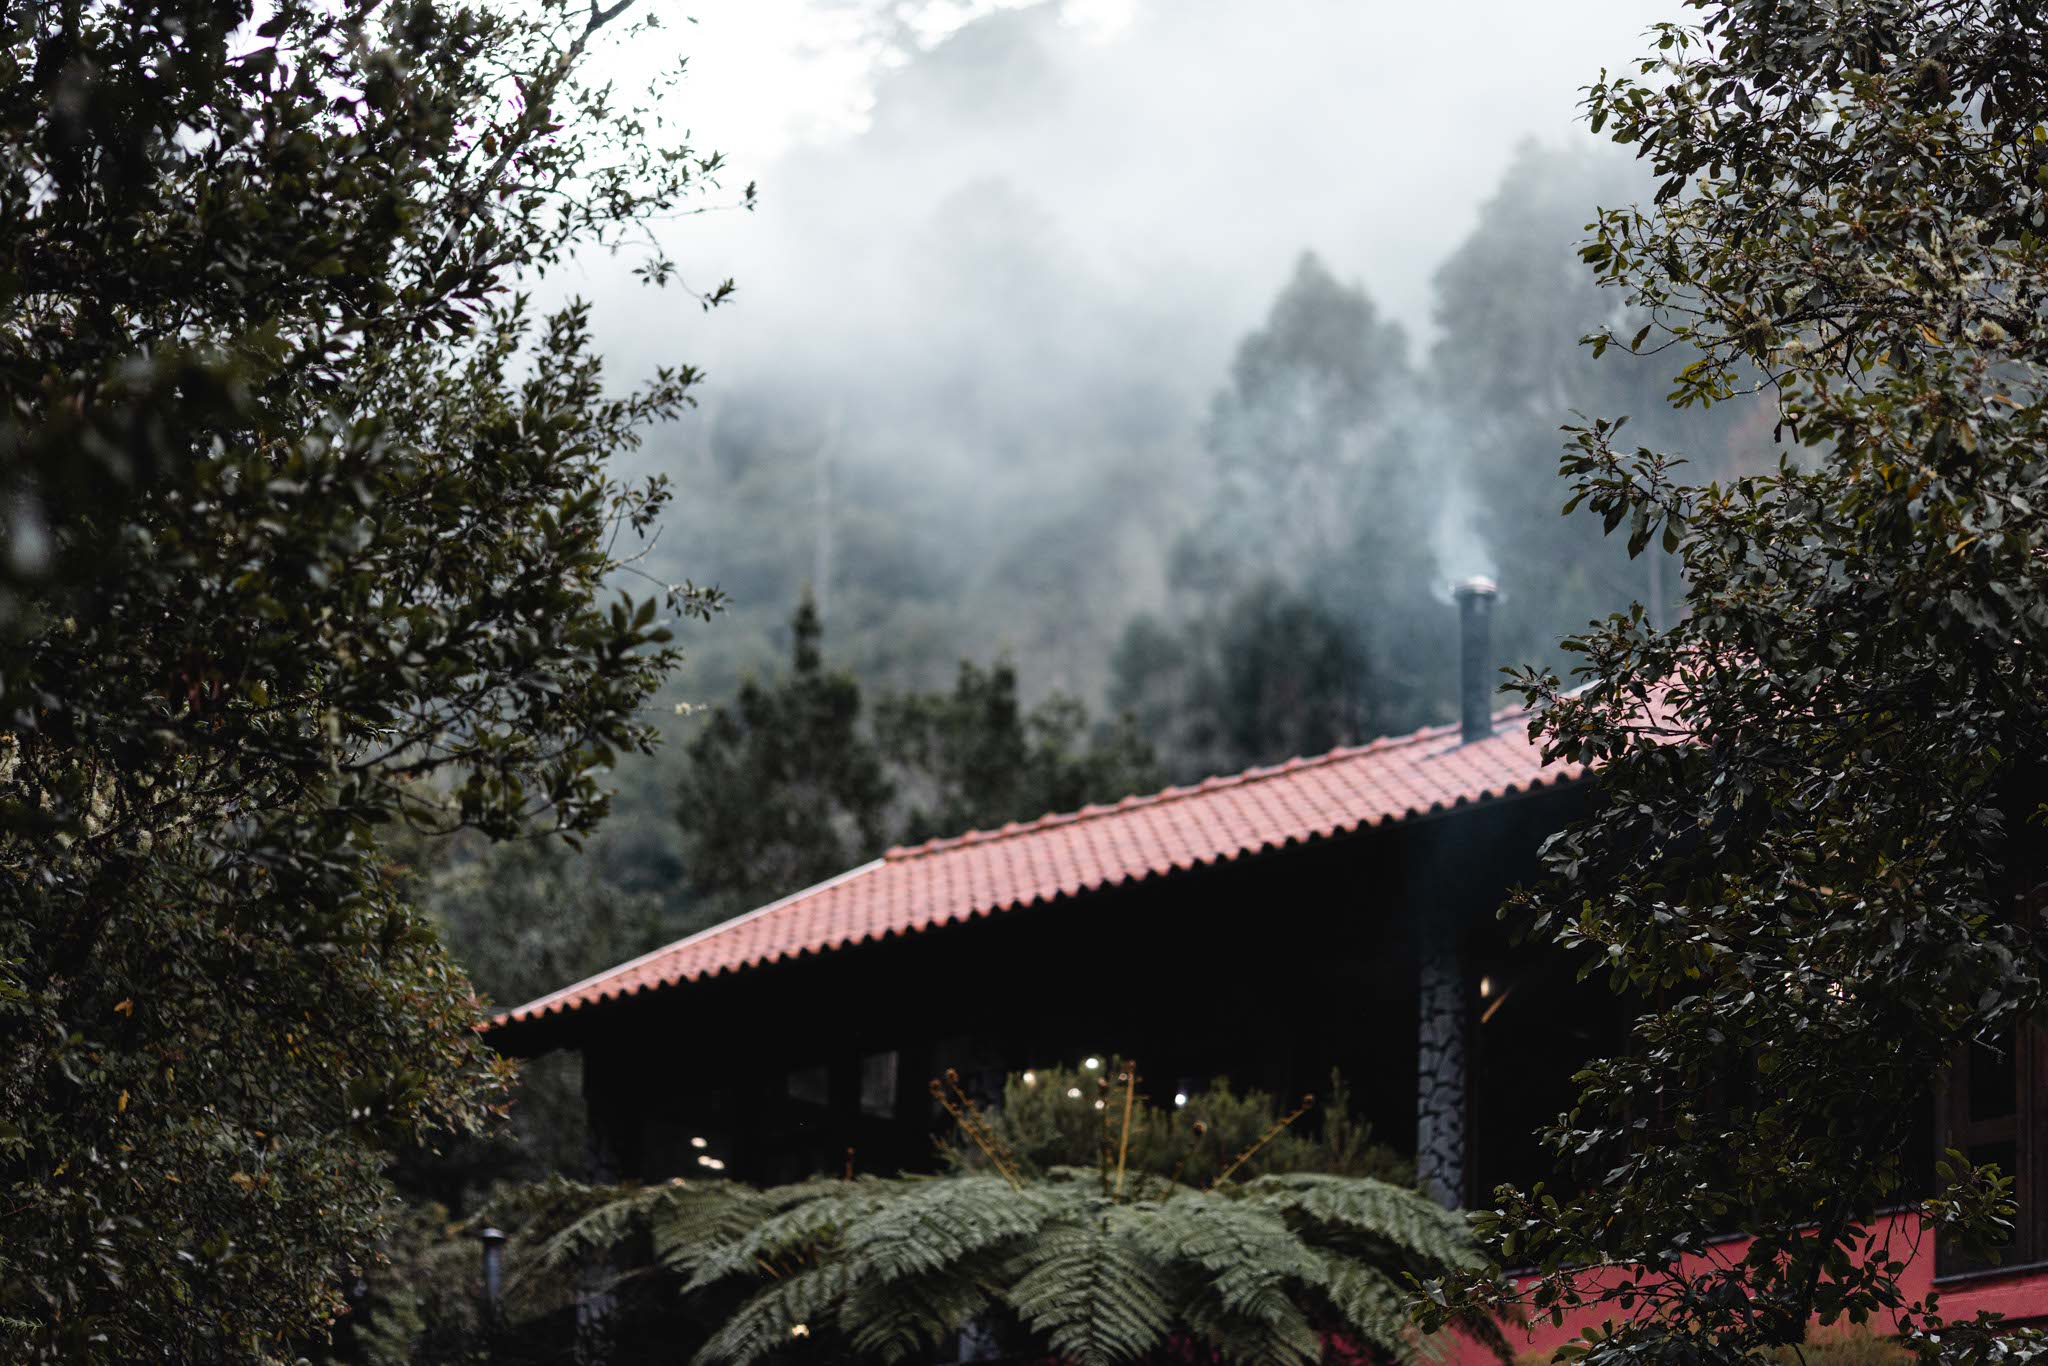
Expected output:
{"points": [[1003, 255], [1202, 142]]}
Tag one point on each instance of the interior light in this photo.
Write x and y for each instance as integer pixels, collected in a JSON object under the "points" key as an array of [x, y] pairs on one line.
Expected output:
{"points": [[698, 1143], [1092, 1064]]}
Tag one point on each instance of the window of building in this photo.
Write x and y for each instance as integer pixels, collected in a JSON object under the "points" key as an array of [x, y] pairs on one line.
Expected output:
{"points": [[878, 1084], [810, 1085], [1992, 1110]]}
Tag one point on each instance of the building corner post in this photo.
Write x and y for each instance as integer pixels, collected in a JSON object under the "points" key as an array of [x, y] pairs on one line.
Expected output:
{"points": [[1440, 1096]]}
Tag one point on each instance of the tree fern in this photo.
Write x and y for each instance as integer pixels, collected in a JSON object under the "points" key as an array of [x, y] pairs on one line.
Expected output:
{"points": [[1088, 1288], [715, 1239], [892, 1319], [604, 1218], [1259, 1274], [930, 1224], [1252, 1262], [772, 1320], [1420, 1230], [1374, 1306], [1289, 1340], [1078, 1263]]}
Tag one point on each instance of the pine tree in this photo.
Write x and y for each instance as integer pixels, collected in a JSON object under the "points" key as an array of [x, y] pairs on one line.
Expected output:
{"points": [[1299, 588], [783, 787], [799, 778]]}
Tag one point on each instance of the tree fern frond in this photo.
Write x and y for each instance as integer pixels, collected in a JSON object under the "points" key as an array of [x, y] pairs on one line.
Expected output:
{"points": [[1245, 1341], [597, 1230], [1254, 1263], [894, 1319], [1416, 1225], [931, 1224], [1373, 1307], [1091, 1291], [698, 1221], [768, 1321], [801, 1231], [813, 1189]]}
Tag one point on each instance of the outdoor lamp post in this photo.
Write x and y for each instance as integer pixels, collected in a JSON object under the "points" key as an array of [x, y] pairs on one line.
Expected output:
{"points": [[493, 1241]]}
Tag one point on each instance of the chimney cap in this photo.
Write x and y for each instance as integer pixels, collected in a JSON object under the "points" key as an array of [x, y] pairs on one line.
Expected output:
{"points": [[1478, 586]]}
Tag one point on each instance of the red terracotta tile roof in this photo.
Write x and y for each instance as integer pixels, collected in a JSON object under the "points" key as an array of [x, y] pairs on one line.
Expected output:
{"points": [[945, 881]]}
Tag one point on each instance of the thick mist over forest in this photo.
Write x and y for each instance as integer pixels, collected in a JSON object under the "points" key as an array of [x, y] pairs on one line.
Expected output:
{"points": [[1181, 364], [973, 388]]}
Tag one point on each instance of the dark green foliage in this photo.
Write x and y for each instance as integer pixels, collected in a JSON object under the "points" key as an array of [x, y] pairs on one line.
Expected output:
{"points": [[421, 1303], [1818, 860], [1048, 1119], [523, 918], [793, 783], [784, 787], [306, 521], [1122, 1259], [1311, 560], [432, 1313], [526, 917], [973, 758], [890, 1269], [1274, 674]]}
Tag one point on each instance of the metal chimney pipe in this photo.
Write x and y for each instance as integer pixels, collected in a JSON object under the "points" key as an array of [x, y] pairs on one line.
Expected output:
{"points": [[1475, 657]]}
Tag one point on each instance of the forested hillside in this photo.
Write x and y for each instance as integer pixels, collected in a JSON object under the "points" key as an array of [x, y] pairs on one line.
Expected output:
{"points": [[402, 621], [1009, 518], [1165, 541]]}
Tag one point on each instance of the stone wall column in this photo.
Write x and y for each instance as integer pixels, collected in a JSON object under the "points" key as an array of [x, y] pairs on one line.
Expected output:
{"points": [[1440, 1069]]}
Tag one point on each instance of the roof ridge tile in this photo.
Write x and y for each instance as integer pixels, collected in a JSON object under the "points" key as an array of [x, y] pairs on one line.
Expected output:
{"points": [[956, 878], [1180, 791]]}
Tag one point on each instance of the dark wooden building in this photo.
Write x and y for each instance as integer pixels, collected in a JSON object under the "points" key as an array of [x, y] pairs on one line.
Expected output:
{"points": [[1269, 926]]}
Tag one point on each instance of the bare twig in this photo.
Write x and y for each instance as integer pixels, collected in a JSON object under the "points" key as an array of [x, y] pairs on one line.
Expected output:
{"points": [[1123, 1146], [957, 1104], [1307, 1104]]}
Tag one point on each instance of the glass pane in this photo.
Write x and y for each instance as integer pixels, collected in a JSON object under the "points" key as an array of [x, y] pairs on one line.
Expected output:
{"points": [[809, 1085], [2006, 1155], [1994, 1089], [878, 1084]]}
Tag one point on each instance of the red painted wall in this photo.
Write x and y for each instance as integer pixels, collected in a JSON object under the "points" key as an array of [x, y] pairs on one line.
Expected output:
{"points": [[2021, 1294]]}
